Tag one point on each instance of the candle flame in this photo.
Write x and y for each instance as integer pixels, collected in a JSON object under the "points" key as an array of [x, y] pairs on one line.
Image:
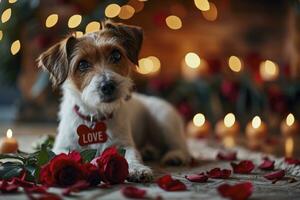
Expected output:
{"points": [[289, 147], [256, 122], [290, 119], [9, 133], [229, 120], [199, 119]]}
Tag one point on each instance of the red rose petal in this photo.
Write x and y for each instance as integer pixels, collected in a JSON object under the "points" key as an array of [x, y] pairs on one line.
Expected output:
{"points": [[198, 178], [267, 164], [229, 156], [244, 167], [133, 192], [218, 173], [292, 161], [240, 191], [8, 187], [275, 175], [78, 186], [169, 184]]}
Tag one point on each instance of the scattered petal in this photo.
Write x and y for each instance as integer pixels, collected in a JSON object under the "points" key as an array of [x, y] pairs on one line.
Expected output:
{"points": [[229, 156], [198, 178], [240, 191], [133, 192], [267, 164], [292, 161], [169, 184], [78, 186], [8, 187], [244, 167], [218, 173], [278, 175]]}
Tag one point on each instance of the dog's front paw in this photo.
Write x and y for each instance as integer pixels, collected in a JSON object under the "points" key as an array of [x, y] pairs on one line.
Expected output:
{"points": [[139, 173], [176, 158]]}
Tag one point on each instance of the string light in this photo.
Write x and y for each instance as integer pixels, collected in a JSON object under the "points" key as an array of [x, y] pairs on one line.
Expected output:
{"points": [[6, 15], [212, 13], [173, 22], [74, 21], [126, 12], [268, 70], [15, 47], [229, 120], [199, 119], [235, 64], [112, 10], [51, 20], [92, 27], [202, 5], [1, 35], [192, 60]]}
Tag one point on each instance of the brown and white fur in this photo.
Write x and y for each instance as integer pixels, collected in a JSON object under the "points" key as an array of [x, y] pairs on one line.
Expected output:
{"points": [[144, 126]]}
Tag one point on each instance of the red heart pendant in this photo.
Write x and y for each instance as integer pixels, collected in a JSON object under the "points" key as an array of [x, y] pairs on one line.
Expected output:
{"points": [[92, 135]]}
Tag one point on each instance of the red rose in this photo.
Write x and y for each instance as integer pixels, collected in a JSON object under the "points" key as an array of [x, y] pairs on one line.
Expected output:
{"points": [[62, 170], [91, 174], [112, 166]]}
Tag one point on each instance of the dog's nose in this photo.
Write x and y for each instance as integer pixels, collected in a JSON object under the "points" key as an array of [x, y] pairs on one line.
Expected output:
{"points": [[108, 87]]}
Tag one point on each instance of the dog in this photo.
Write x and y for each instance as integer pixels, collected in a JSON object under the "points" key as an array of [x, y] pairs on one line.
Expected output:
{"points": [[93, 72]]}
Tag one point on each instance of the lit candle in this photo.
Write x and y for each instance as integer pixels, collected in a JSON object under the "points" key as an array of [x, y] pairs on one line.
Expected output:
{"points": [[199, 127], [8, 144], [257, 129], [227, 127], [289, 147], [289, 126]]}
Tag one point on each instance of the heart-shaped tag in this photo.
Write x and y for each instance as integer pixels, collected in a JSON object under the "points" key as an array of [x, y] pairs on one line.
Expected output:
{"points": [[92, 135]]}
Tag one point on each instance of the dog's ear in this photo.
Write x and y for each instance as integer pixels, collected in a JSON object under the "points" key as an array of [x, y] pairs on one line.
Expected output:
{"points": [[131, 38], [56, 60]]}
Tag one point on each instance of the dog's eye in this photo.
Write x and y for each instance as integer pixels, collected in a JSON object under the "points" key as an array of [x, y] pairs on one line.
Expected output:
{"points": [[83, 65], [115, 56]]}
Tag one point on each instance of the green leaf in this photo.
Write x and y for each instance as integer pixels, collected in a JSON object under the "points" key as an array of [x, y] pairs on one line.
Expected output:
{"points": [[44, 155], [122, 152], [10, 169], [88, 154], [30, 175]]}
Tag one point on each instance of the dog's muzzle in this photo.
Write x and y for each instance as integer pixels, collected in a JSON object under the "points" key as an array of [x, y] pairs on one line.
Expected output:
{"points": [[108, 90]]}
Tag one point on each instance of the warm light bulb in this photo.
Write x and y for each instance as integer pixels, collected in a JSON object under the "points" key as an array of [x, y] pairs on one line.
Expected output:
{"points": [[202, 5], [199, 119], [290, 119], [9, 133], [15, 47], [289, 147], [268, 70], [192, 60], [112, 10], [6, 15], [51, 20], [173, 22], [92, 27], [229, 120], [74, 21], [235, 64], [78, 34], [156, 64], [256, 122], [145, 66]]}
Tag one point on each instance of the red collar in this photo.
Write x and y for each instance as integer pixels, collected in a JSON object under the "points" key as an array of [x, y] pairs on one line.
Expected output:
{"points": [[91, 118]]}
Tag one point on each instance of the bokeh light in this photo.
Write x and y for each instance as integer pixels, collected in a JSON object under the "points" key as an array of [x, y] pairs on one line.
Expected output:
{"points": [[229, 120], [137, 5], [212, 13], [74, 21], [149, 65], [6, 15], [51, 20], [290, 119], [92, 27], [199, 119], [268, 70], [112, 10], [256, 122], [78, 34], [126, 12], [202, 5], [1, 35], [235, 64], [15, 47], [12, 1], [192, 60], [173, 22]]}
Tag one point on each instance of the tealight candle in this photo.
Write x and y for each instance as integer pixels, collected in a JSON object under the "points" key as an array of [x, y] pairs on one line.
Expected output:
{"points": [[227, 127], [289, 126], [199, 127], [257, 129], [289, 147], [8, 144]]}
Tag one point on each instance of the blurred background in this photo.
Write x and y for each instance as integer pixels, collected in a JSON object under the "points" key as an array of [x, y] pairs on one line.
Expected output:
{"points": [[214, 57]]}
